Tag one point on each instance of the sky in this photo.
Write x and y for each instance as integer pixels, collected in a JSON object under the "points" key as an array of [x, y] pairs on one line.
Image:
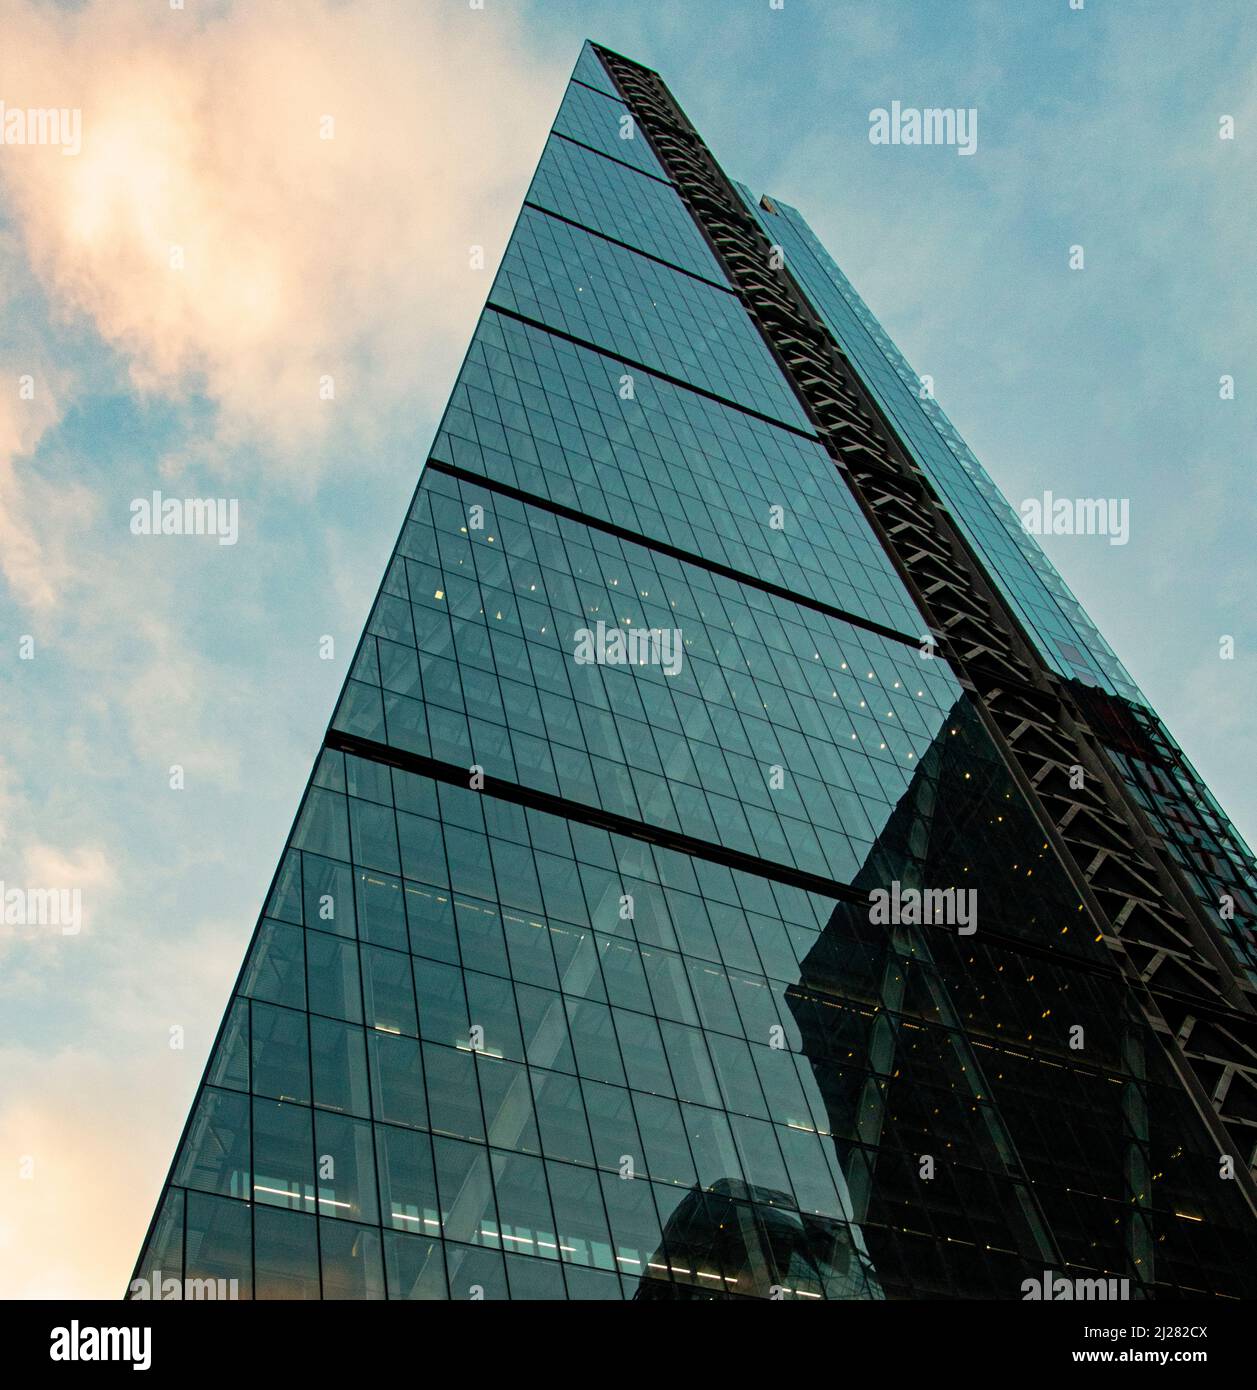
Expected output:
{"points": [[223, 294]]}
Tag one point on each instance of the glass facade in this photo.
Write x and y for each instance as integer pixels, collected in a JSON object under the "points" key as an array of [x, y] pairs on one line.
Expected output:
{"points": [[568, 985], [1207, 847]]}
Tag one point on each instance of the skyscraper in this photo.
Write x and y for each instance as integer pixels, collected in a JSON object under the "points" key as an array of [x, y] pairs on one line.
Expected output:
{"points": [[736, 866]]}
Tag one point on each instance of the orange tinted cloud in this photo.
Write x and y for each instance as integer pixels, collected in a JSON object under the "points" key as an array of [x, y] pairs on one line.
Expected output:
{"points": [[280, 194], [301, 257]]}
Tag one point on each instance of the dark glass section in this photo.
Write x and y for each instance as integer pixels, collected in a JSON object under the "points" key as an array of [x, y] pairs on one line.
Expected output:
{"points": [[736, 1241], [1000, 1106]]}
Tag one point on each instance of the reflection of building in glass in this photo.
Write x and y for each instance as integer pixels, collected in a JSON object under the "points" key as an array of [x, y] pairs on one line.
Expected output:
{"points": [[566, 985], [888, 1048], [735, 1241]]}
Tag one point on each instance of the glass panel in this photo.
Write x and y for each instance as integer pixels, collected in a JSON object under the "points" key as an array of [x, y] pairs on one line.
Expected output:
{"points": [[219, 1244], [582, 1222], [408, 1193], [534, 1279], [524, 1206], [561, 1117], [215, 1153], [415, 1268], [397, 1087], [287, 1254], [388, 991], [346, 1166], [475, 1274], [333, 975], [339, 1064], [467, 1209], [230, 1067], [160, 1271], [276, 968], [283, 1155], [381, 910], [328, 890], [454, 1099], [352, 1260], [508, 1106], [281, 1053]]}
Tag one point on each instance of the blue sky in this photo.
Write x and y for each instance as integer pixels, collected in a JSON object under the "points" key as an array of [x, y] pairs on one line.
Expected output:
{"points": [[307, 258]]}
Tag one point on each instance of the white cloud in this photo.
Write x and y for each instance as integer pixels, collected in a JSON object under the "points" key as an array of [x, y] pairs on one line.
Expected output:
{"points": [[303, 258]]}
